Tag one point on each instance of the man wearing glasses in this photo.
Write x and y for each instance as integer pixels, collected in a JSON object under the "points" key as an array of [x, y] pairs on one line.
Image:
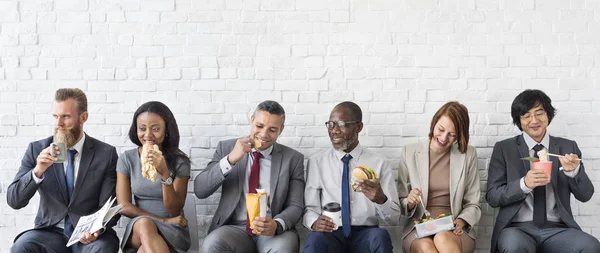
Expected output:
{"points": [[535, 212], [329, 180]]}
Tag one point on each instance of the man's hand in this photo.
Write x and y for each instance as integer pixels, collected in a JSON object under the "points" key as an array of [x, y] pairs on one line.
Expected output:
{"points": [[242, 147], [264, 226], [413, 198], [323, 224], [535, 178], [570, 162], [44, 160], [372, 190], [177, 220], [459, 225], [88, 237]]}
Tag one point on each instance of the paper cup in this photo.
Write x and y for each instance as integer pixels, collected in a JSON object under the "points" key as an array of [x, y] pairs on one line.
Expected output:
{"points": [[545, 166], [333, 210]]}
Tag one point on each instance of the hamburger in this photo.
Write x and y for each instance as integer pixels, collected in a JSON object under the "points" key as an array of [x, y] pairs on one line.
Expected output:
{"points": [[148, 170], [362, 173]]}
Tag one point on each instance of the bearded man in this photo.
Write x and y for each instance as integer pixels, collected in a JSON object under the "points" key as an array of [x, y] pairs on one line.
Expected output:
{"points": [[68, 190], [328, 180]]}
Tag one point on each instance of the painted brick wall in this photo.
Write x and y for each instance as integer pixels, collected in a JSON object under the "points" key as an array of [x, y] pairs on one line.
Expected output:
{"points": [[212, 61]]}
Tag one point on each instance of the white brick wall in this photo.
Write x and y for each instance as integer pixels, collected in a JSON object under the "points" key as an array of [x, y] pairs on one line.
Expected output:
{"points": [[212, 61]]}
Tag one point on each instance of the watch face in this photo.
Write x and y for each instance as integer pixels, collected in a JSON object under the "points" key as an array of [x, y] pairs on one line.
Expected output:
{"points": [[169, 181]]}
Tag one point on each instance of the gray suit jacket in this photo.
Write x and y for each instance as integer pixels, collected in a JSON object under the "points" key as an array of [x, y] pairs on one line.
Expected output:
{"points": [[286, 196], [464, 183], [506, 170], [96, 181]]}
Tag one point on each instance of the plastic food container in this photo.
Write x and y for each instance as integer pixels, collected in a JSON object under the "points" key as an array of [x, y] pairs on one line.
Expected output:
{"points": [[435, 226]]}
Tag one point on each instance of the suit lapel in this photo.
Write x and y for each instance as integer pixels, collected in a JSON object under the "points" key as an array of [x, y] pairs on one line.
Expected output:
{"points": [[59, 172], [457, 163], [524, 152], [275, 169], [87, 154], [423, 170]]}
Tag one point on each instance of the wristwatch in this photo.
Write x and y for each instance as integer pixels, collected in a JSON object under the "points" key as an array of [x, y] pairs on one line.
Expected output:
{"points": [[279, 228], [169, 181]]}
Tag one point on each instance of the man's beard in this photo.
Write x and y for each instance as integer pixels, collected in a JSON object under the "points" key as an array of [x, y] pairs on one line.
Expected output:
{"points": [[70, 137], [346, 144]]}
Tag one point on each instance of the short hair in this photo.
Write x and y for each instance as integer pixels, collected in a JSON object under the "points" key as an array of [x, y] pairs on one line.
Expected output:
{"points": [[76, 94], [527, 100], [356, 112], [170, 145], [271, 107], [459, 114]]}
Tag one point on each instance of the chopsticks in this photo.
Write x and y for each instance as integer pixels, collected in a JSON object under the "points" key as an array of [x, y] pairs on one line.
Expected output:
{"points": [[427, 214], [555, 155]]}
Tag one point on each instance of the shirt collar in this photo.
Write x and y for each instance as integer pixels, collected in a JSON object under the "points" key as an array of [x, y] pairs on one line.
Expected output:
{"points": [[355, 153], [531, 142], [79, 145], [267, 152]]}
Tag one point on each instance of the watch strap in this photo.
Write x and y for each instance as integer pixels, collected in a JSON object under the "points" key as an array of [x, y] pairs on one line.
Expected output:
{"points": [[279, 228]]}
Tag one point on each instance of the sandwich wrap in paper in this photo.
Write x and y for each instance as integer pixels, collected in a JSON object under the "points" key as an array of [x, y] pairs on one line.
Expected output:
{"points": [[148, 170]]}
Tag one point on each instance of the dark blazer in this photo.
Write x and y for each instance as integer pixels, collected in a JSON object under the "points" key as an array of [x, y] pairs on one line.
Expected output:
{"points": [[286, 193], [506, 170], [96, 182]]}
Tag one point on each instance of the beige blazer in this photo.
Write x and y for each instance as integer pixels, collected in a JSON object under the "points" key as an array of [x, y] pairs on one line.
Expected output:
{"points": [[464, 183]]}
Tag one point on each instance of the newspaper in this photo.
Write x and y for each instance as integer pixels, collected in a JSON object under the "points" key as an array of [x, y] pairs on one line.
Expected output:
{"points": [[93, 222]]}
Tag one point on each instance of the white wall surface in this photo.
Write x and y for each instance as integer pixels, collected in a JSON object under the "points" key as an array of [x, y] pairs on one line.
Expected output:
{"points": [[212, 61]]}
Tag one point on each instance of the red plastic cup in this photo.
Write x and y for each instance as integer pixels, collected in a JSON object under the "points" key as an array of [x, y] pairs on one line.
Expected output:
{"points": [[545, 166]]}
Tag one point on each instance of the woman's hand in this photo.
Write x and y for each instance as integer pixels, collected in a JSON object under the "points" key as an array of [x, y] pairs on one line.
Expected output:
{"points": [[177, 220], [156, 158], [459, 225], [413, 198]]}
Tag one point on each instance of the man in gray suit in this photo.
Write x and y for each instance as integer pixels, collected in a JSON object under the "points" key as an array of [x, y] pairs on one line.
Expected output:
{"points": [[535, 213], [79, 186], [241, 166]]}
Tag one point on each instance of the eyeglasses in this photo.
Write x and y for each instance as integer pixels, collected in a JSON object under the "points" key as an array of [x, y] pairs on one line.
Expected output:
{"points": [[529, 117], [341, 124]]}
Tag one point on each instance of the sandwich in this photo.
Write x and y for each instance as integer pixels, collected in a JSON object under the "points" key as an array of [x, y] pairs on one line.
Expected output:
{"points": [[148, 170], [362, 172]]}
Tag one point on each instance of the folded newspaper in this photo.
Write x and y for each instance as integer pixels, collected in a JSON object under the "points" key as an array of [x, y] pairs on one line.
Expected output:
{"points": [[93, 222]]}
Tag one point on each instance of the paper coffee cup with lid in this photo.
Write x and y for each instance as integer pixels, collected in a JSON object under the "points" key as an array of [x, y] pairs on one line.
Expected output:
{"points": [[333, 210]]}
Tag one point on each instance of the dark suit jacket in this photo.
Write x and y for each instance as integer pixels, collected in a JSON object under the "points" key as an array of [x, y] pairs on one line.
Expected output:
{"points": [[286, 193], [506, 170], [96, 182]]}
